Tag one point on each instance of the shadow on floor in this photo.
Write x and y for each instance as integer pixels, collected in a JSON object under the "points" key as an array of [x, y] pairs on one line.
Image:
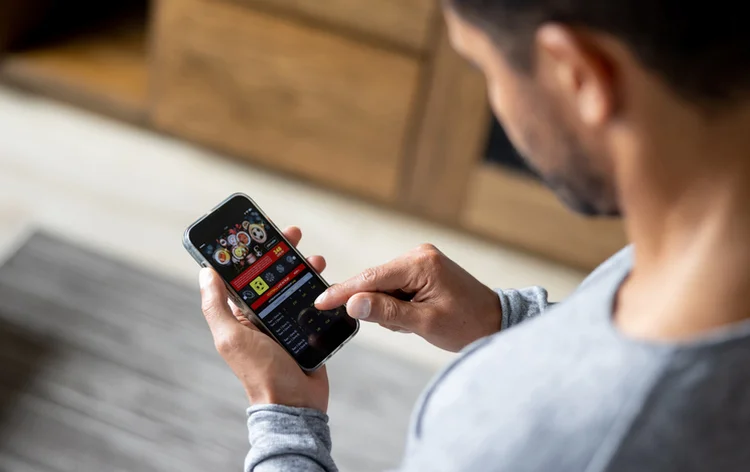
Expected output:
{"points": [[23, 354]]}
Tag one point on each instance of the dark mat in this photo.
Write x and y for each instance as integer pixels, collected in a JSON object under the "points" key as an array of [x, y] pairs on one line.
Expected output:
{"points": [[104, 367]]}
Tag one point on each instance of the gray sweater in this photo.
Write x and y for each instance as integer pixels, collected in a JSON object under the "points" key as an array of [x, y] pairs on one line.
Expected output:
{"points": [[563, 392]]}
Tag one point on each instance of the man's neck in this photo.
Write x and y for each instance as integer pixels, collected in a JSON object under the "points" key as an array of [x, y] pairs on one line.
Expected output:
{"points": [[690, 225]]}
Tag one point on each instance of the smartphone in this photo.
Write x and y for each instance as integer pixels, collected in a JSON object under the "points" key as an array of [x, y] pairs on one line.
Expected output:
{"points": [[269, 280]]}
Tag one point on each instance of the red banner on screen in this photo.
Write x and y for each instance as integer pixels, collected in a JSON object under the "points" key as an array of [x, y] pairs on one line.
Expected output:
{"points": [[276, 288], [260, 265]]}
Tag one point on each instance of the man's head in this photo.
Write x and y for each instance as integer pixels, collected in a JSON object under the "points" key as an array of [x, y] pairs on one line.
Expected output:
{"points": [[576, 81]]}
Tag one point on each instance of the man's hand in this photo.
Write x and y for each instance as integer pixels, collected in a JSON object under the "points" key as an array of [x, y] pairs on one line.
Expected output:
{"points": [[450, 308], [268, 373]]}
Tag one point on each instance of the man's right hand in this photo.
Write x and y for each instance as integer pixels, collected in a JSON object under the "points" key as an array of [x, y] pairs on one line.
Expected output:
{"points": [[450, 308]]}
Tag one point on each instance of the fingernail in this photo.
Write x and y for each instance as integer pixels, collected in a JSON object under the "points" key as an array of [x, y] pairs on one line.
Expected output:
{"points": [[359, 308], [321, 298], [204, 278]]}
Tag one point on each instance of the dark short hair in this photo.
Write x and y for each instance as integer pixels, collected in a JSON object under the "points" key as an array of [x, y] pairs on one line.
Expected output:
{"points": [[700, 49]]}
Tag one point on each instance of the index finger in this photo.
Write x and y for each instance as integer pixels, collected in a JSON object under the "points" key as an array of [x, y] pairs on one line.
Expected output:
{"points": [[394, 275]]}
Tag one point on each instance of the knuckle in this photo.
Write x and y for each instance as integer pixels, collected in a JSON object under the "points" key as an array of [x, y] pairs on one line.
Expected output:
{"points": [[227, 343], [369, 276], [389, 312], [431, 255], [427, 248]]}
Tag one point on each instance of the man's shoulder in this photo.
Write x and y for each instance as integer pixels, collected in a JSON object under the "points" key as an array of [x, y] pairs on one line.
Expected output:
{"points": [[535, 395], [621, 261]]}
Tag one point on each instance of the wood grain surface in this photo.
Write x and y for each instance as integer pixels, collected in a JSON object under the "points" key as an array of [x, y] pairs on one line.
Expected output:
{"points": [[104, 367], [451, 137], [276, 92], [522, 212], [105, 71], [405, 23]]}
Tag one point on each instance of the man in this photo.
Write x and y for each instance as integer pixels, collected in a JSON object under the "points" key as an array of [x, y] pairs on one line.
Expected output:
{"points": [[632, 106]]}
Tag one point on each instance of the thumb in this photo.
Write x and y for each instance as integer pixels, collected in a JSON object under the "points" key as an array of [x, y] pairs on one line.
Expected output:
{"points": [[383, 309], [214, 302]]}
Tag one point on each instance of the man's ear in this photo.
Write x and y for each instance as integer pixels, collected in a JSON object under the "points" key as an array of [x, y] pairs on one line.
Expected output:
{"points": [[578, 70]]}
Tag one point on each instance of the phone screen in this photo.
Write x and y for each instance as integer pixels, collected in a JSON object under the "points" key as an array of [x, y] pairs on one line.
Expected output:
{"points": [[273, 280]]}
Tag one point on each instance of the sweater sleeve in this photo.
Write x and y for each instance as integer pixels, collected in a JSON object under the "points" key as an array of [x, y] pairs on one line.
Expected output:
{"points": [[520, 305], [284, 438]]}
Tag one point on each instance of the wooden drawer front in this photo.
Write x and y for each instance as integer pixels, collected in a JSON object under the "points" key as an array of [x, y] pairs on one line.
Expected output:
{"points": [[403, 22], [288, 96], [521, 212]]}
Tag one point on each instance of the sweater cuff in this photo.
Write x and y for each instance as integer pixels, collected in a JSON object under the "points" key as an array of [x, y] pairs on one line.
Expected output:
{"points": [[521, 305], [297, 434]]}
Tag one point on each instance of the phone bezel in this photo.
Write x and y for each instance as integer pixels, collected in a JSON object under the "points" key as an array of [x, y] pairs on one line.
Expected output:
{"points": [[202, 261]]}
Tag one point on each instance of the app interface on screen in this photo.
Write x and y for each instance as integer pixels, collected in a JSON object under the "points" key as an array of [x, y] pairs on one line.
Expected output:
{"points": [[271, 279]]}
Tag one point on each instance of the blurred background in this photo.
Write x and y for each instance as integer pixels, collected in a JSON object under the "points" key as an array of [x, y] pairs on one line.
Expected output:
{"points": [[123, 121]]}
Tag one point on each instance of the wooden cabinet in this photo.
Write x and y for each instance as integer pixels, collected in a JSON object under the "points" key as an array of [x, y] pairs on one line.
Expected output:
{"points": [[297, 98], [450, 136], [521, 212], [405, 23], [453, 182], [364, 96], [87, 52], [17, 18]]}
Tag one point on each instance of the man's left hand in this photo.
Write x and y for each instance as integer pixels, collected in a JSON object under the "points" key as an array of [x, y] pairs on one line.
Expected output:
{"points": [[266, 370]]}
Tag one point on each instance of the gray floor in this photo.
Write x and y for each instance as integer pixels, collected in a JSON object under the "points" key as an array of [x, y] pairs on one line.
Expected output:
{"points": [[105, 367]]}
